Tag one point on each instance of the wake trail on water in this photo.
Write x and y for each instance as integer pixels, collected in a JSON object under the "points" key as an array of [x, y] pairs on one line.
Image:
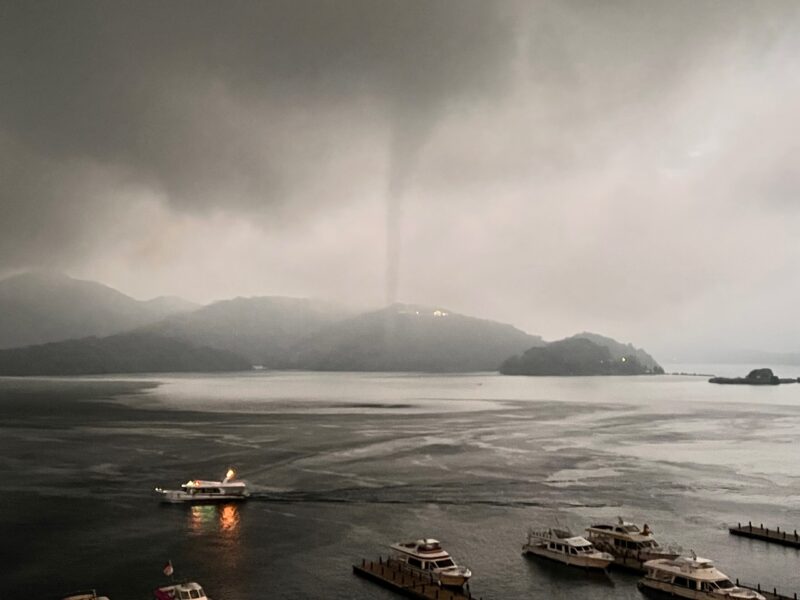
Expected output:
{"points": [[333, 498]]}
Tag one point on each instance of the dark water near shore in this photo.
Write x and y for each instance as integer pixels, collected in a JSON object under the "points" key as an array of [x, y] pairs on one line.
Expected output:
{"points": [[343, 464]]}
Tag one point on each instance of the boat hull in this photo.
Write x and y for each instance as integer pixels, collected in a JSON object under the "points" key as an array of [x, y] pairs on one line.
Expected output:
{"points": [[580, 561], [179, 497], [661, 589], [454, 578], [632, 561]]}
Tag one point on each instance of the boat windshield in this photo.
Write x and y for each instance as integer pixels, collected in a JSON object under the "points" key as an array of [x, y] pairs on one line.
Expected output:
{"points": [[443, 564], [723, 584]]}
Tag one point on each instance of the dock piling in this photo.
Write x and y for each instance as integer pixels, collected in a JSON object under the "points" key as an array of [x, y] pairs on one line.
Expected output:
{"points": [[775, 536]]}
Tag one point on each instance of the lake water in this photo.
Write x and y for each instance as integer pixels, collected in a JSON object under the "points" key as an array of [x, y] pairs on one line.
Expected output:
{"points": [[343, 464]]}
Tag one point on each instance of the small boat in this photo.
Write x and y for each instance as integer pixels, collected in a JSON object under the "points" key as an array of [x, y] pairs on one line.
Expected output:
{"points": [[181, 591], [691, 577], [562, 546], [85, 595], [427, 557], [631, 546], [202, 491]]}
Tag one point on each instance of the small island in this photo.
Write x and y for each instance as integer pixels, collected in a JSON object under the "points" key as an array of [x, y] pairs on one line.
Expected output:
{"points": [[754, 377], [579, 356]]}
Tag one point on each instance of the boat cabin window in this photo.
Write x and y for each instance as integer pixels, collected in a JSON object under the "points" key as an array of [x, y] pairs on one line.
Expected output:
{"points": [[686, 583], [194, 593], [415, 562], [659, 575], [443, 564], [184, 594], [723, 584]]}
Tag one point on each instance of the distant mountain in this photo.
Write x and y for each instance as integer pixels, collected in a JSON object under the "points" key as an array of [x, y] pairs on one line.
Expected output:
{"points": [[44, 307], [577, 355], [619, 350], [165, 306], [137, 352], [411, 338], [263, 329]]}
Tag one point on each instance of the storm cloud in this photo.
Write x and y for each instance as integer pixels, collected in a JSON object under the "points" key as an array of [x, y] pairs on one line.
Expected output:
{"points": [[628, 167]]}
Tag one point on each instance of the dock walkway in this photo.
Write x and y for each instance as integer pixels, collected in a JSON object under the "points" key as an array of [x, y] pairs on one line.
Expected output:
{"points": [[769, 595], [393, 575], [775, 536]]}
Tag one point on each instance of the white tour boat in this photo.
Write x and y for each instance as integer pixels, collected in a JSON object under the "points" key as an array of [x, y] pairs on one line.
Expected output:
{"points": [[181, 591], [563, 546], [201, 491], [691, 577], [631, 546], [427, 556]]}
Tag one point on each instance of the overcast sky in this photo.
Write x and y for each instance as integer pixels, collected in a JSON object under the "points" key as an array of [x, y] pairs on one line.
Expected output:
{"points": [[630, 168]]}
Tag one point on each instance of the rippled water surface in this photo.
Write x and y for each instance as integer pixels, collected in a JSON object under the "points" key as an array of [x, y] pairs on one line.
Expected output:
{"points": [[343, 464]]}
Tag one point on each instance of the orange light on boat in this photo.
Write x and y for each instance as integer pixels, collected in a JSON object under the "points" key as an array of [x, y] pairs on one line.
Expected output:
{"points": [[230, 474]]}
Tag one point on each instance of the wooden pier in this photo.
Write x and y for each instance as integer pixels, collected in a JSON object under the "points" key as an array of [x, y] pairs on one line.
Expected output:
{"points": [[776, 536], [768, 594], [394, 575]]}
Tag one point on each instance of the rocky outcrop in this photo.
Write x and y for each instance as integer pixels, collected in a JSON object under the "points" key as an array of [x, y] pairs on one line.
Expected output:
{"points": [[754, 377]]}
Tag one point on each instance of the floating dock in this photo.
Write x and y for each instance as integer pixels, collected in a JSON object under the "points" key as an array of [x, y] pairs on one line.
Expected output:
{"points": [[769, 595], [776, 536], [392, 574]]}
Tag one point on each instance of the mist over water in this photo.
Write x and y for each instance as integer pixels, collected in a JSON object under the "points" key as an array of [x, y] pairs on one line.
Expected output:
{"points": [[343, 464]]}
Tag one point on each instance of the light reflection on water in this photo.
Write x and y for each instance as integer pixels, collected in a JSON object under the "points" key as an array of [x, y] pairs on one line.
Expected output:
{"points": [[214, 518]]}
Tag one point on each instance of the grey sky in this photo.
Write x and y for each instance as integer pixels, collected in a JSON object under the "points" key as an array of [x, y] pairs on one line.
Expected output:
{"points": [[624, 167]]}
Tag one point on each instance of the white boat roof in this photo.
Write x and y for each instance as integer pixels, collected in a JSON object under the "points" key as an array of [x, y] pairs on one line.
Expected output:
{"points": [[626, 531], [426, 548], [577, 541], [186, 586], [561, 536], [697, 568], [206, 483]]}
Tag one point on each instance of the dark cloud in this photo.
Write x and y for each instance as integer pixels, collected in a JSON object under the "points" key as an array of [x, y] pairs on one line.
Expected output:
{"points": [[500, 155]]}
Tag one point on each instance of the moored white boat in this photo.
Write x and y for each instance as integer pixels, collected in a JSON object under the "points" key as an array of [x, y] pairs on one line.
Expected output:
{"points": [[562, 546], [630, 546], [189, 590], [203, 491], [691, 577], [426, 556]]}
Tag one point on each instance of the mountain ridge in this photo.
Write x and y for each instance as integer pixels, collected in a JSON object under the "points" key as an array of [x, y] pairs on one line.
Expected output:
{"points": [[44, 306]]}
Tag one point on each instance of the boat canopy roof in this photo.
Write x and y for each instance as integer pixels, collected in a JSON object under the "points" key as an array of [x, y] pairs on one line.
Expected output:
{"points": [[625, 532], [577, 542], [691, 567], [201, 483], [427, 548], [562, 536]]}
